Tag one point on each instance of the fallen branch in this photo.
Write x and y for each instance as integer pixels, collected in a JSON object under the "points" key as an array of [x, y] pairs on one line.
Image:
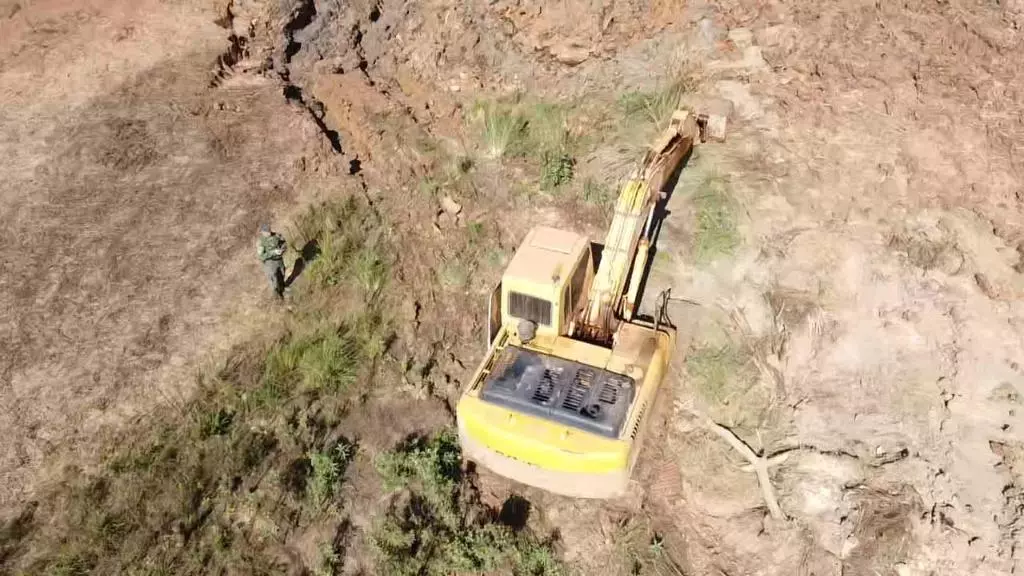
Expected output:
{"points": [[759, 464]]}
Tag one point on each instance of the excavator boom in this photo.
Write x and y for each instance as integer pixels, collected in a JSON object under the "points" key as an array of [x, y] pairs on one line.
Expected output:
{"points": [[615, 287]]}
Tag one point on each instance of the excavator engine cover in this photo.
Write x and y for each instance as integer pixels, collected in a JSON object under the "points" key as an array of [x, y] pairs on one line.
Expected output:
{"points": [[559, 390]]}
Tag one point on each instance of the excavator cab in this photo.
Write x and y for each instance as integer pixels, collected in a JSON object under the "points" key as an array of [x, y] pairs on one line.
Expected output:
{"points": [[544, 286]]}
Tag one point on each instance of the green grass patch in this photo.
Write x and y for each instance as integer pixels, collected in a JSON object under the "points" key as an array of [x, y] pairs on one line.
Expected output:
{"points": [[597, 193], [454, 273], [728, 383], [716, 234], [327, 468], [435, 526], [337, 244], [326, 360], [557, 169]]}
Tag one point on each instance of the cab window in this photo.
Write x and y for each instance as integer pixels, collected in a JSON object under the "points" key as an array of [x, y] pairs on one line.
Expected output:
{"points": [[529, 308]]}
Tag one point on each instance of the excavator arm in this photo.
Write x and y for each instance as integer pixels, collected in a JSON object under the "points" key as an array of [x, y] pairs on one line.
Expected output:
{"points": [[616, 284]]}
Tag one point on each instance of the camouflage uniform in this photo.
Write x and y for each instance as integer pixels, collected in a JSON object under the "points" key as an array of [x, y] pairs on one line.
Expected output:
{"points": [[270, 250]]}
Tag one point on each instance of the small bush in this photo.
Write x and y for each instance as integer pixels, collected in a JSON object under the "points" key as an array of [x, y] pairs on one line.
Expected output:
{"points": [[326, 470], [71, 565], [370, 270], [536, 130], [344, 248], [547, 128], [329, 561], [655, 106], [556, 169], [713, 369], [215, 422], [596, 193]]}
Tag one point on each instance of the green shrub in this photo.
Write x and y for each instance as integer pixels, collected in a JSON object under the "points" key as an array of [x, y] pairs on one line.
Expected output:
{"points": [[325, 360], [326, 470], [556, 169], [340, 248], [435, 526], [654, 106], [597, 193], [713, 370]]}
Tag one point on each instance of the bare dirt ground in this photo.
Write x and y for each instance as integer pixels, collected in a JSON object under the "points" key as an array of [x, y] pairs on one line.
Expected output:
{"points": [[851, 286], [129, 194]]}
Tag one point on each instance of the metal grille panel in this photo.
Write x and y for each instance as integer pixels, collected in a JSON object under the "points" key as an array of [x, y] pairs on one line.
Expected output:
{"points": [[563, 391]]}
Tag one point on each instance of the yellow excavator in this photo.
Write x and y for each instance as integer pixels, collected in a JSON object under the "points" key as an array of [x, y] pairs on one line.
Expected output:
{"points": [[560, 401]]}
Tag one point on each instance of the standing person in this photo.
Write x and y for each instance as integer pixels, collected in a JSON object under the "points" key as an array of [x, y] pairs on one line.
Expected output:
{"points": [[270, 250]]}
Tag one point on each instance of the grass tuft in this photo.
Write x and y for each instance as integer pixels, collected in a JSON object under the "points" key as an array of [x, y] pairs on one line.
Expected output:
{"points": [[713, 371], [325, 360], [655, 106], [535, 130], [503, 127], [557, 169], [336, 247]]}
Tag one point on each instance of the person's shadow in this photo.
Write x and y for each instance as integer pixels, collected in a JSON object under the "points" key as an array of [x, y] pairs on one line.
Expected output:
{"points": [[308, 253]]}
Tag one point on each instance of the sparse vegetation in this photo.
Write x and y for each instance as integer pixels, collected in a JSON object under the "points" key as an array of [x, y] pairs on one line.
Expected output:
{"points": [[656, 106], [454, 274], [535, 130], [716, 233], [719, 373], [641, 550], [329, 562], [435, 525], [324, 360], [327, 469], [556, 169], [208, 487], [597, 193]]}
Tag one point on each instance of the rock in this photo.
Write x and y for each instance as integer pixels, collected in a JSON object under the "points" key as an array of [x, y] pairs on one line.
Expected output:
{"points": [[743, 38], [709, 33], [451, 206], [983, 283], [570, 53]]}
